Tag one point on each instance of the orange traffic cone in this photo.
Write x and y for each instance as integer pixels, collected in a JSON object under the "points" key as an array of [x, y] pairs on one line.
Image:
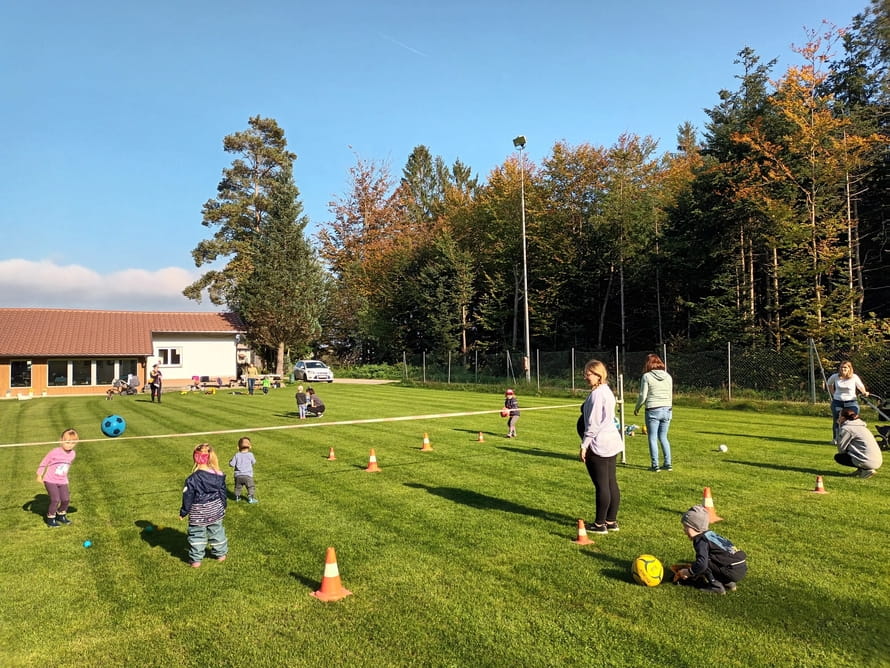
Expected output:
{"points": [[481, 438], [426, 444], [331, 587], [709, 505], [582, 538], [820, 487], [372, 463], [331, 455]]}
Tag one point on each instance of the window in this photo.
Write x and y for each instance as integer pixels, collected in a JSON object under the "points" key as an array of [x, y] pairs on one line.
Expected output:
{"points": [[57, 372], [20, 373], [127, 368], [105, 372], [170, 356], [81, 372]]}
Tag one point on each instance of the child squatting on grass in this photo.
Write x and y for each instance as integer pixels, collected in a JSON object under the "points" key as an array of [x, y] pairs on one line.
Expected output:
{"points": [[243, 462], [719, 564], [53, 473], [204, 501]]}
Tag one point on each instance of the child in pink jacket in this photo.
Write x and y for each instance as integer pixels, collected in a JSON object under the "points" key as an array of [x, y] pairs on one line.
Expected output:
{"points": [[53, 473]]}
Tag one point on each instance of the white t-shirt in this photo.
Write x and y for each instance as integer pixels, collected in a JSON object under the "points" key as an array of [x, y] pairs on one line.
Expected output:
{"points": [[844, 389]]}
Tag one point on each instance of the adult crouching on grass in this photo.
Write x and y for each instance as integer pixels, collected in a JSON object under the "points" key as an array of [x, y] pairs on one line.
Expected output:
{"points": [[856, 445]]}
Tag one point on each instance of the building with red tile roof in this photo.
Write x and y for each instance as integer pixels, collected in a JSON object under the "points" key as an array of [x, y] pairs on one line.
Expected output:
{"points": [[67, 351]]}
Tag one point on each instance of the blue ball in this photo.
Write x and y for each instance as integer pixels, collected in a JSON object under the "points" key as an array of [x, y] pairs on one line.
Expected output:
{"points": [[113, 425], [87, 543]]}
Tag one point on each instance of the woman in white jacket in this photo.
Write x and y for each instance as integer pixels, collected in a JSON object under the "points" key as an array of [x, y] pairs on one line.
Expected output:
{"points": [[657, 394], [600, 445], [856, 445]]}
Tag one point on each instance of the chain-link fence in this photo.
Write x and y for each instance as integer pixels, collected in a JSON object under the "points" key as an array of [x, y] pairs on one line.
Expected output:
{"points": [[733, 372]]}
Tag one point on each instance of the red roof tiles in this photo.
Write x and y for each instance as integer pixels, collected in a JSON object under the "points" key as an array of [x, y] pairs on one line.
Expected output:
{"points": [[44, 332]]}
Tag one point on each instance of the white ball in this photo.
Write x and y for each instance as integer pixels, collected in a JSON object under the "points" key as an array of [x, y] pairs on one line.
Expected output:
{"points": [[723, 447]]}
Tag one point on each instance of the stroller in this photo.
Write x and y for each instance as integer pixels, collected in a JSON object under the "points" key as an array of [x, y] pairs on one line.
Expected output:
{"points": [[121, 386], [882, 408]]}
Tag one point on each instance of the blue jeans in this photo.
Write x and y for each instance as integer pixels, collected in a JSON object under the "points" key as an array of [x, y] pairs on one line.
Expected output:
{"points": [[836, 407], [213, 535], [658, 422]]}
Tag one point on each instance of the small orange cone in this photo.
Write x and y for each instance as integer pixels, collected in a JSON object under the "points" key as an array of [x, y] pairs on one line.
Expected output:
{"points": [[426, 444], [582, 538], [708, 503], [331, 455], [820, 487], [481, 438], [331, 587], [372, 463]]}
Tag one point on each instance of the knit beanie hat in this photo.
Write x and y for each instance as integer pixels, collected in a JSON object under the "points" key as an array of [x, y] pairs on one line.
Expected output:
{"points": [[696, 518]]}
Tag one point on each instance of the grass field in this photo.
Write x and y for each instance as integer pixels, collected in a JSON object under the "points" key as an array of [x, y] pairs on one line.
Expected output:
{"points": [[462, 556]]}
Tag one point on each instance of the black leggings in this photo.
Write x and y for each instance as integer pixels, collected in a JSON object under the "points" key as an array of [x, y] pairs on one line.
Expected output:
{"points": [[608, 497]]}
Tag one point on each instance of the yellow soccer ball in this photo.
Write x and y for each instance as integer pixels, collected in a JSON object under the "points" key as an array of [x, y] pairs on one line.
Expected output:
{"points": [[647, 570]]}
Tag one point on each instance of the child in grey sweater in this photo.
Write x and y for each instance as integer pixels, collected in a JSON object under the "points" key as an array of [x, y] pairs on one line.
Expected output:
{"points": [[243, 462]]}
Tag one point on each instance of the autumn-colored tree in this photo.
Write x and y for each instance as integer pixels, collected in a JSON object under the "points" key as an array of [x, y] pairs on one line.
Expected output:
{"points": [[803, 177]]}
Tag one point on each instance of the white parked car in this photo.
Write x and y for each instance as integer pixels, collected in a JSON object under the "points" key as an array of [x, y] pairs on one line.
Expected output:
{"points": [[313, 371]]}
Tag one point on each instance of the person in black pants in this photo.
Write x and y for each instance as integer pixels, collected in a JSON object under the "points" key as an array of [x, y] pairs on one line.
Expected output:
{"points": [[155, 381], [600, 444]]}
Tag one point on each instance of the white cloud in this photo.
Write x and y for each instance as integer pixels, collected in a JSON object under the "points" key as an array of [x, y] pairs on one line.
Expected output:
{"points": [[45, 284]]}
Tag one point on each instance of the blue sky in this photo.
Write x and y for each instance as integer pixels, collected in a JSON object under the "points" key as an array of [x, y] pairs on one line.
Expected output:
{"points": [[115, 112]]}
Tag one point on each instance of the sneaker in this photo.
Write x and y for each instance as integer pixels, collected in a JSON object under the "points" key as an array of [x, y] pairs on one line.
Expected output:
{"points": [[252, 500], [730, 586], [196, 564], [654, 469], [61, 518], [714, 587], [866, 473], [612, 526], [51, 522], [596, 528], [668, 467]]}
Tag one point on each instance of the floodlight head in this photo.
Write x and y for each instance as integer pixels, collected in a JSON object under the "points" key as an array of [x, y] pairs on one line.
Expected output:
{"points": [[519, 142]]}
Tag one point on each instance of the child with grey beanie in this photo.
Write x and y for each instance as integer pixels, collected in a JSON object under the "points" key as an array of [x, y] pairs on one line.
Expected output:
{"points": [[718, 565]]}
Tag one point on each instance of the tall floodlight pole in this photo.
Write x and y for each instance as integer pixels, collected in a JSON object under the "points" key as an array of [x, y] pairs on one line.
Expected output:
{"points": [[519, 143]]}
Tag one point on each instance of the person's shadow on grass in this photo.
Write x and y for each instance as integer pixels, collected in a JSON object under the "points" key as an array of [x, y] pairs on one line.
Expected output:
{"points": [[799, 469], [473, 499], [173, 541], [537, 452], [40, 504]]}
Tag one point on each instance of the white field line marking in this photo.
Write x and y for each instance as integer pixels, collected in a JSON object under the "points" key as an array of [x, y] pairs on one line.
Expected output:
{"points": [[402, 418]]}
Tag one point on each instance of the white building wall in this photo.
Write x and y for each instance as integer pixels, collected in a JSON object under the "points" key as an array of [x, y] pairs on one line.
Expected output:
{"points": [[200, 355]]}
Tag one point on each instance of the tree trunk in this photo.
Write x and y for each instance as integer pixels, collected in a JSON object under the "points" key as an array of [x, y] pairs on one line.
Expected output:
{"points": [[279, 363]]}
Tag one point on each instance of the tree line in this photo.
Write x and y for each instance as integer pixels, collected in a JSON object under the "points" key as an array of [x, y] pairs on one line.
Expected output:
{"points": [[766, 228]]}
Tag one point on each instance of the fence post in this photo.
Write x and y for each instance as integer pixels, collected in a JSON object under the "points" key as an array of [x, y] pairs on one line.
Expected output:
{"points": [[621, 420], [476, 364], [449, 367], [729, 370], [405, 364], [812, 361], [664, 355], [538, 367], [424, 367], [572, 371]]}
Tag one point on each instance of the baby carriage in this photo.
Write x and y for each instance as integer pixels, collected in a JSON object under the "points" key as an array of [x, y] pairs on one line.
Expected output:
{"points": [[882, 408], [121, 386]]}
